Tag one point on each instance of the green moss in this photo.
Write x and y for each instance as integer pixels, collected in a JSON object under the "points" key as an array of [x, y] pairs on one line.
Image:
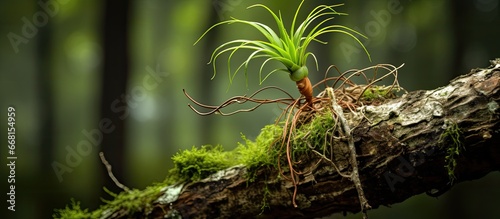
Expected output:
{"points": [[134, 200], [126, 202], [198, 163], [451, 137], [265, 202], [261, 152], [377, 93], [316, 133], [267, 147], [72, 211]]}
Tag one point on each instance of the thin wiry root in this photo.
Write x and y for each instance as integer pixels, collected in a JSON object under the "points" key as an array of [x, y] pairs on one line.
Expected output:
{"points": [[332, 163], [240, 100], [349, 93]]}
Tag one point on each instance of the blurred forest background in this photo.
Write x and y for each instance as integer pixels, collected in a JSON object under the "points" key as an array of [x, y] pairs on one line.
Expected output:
{"points": [[71, 67]]}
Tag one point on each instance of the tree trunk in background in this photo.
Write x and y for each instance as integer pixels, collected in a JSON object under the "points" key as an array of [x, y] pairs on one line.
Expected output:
{"points": [[458, 8], [208, 133], [163, 37], [114, 93], [45, 109]]}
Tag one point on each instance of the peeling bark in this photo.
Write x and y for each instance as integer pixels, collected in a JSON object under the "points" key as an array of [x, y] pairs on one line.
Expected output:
{"points": [[399, 156]]}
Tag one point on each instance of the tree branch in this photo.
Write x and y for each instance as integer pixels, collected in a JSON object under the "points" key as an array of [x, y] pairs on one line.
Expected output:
{"points": [[401, 146]]}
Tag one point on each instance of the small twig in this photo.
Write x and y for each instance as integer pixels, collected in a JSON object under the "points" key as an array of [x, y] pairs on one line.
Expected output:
{"points": [[352, 159], [110, 173]]}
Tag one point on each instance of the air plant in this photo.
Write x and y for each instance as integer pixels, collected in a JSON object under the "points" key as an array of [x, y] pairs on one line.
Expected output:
{"points": [[289, 48]]}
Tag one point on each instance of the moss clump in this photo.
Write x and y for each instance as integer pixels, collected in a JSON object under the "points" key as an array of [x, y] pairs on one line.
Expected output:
{"points": [[269, 147], [198, 163], [124, 203], [452, 138], [377, 93], [134, 200], [265, 201], [315, 134], [261, 152], [72, 211]]}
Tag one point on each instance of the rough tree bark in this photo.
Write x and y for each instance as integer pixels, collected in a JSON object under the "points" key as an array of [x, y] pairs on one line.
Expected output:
{"points": [[400, 155]]}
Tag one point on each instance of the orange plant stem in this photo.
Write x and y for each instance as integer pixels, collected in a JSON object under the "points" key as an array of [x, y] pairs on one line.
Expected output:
{"points": [[305, 88]]}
